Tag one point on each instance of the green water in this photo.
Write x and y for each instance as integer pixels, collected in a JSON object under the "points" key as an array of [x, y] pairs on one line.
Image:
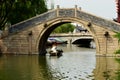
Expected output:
{"points": [[75, 64]]}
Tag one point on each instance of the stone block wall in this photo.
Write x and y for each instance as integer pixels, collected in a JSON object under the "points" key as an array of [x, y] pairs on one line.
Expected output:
{"points": [[23, 42], [106, 44]]}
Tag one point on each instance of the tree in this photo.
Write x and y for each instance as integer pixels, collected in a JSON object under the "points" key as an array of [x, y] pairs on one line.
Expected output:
{"points": [[65, 28], [5, 7], [14, 11]]}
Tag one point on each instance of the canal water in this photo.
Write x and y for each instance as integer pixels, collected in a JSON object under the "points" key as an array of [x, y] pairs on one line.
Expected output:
{"points": [[77, 63]]}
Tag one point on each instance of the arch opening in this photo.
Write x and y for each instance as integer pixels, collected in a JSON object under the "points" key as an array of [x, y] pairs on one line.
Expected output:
{"points": [[44, 37], [88, 43], [46, 33]]}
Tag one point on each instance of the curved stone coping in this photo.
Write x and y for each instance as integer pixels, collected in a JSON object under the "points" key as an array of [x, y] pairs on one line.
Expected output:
{"points": [[73, 12], [33, 21], [98, 21]]}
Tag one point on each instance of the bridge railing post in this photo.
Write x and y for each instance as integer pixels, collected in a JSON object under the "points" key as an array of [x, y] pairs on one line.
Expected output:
{"points": [[58, 7], [75, 10], [80, 8]]}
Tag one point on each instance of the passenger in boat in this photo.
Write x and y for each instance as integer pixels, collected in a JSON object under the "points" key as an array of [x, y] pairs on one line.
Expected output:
{"points": [[54, 48]]}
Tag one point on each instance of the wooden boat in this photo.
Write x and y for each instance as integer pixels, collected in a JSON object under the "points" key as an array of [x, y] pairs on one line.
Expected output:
{"points": [[58, 53]]}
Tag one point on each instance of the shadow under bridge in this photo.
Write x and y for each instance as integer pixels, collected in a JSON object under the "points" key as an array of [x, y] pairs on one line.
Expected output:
{"points": [[83, 41]]}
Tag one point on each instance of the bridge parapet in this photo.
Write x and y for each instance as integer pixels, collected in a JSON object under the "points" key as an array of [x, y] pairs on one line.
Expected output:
{"points": [[63, 13], [71, 35], [33, 21], [98, 21]]}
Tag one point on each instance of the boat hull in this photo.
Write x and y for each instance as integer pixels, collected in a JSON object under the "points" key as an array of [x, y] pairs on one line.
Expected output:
{"points": [[58, 53]]}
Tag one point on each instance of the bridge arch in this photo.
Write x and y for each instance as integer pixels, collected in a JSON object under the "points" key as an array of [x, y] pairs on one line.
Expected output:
{"points": [[54, 24], [43, 36]]}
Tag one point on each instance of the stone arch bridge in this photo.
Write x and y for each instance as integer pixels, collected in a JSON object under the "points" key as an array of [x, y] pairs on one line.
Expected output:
{"points": [[30, 36]]}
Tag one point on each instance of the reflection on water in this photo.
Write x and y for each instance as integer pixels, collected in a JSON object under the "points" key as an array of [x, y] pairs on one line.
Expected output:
{"points": [[106, 68], [75, 64]]}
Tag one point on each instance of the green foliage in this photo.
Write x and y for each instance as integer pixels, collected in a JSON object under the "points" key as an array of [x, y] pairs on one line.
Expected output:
{"points": [[14, 11], [118, 60], [118, 75], [117, 36], [118, 51], [5, 8], [65, 28], [24, 9]]}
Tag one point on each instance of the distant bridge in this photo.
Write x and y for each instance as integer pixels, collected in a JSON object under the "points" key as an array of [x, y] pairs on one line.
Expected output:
{"points": [[76, 38]]}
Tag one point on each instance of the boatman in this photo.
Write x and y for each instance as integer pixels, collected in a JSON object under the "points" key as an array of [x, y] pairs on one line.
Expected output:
{"points": [[54, 48]]}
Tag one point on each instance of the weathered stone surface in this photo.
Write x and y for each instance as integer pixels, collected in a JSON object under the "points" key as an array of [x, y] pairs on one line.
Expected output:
{"points": [[98, 21], [67, 12], [29, 37]]}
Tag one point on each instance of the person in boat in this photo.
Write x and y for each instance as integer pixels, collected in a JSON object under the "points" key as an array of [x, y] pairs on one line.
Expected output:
{"points": [[54, 51], [54, 47]]}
